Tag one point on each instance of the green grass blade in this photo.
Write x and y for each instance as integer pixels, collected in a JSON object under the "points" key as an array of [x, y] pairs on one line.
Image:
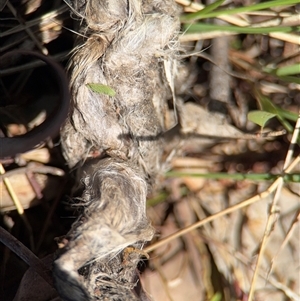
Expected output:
{"points": [[286, 124], [207, 9], [288, 115], [216, 297], [236, 176], [290, 79], [288, 70], [260, 117], [267, 105], [203, 27], [284, 71], [160, 198], [255, 7]]}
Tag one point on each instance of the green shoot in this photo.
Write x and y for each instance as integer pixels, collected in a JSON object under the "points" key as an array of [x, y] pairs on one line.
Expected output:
{"points": [[260, 117]]}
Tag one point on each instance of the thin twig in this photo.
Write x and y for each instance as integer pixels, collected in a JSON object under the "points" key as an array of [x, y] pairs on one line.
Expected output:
{"points": [[289, 234], [213, 217], [292, 144], [28, 30], [50, 214], [222, 213], [244, 260], [34, 64]]}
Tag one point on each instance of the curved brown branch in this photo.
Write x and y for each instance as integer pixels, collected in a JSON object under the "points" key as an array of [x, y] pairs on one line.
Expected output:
{"points": [[11, 146]]}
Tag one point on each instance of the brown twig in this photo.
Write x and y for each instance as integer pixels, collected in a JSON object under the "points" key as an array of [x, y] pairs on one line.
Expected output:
{"points": [[50, 214], [273, 216]]}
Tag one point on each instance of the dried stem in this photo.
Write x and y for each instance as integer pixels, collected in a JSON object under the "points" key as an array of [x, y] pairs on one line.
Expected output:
{"points": [[17, 204]]}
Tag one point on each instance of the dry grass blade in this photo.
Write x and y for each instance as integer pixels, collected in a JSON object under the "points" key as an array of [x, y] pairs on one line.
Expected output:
{"points": [[193, 7], [289, 235], [245, 261], [287, 37], [292, 144], [18, 205], [189, 37], [11, 192]]}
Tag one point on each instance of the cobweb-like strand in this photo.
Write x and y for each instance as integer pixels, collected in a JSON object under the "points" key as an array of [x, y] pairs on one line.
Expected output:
{"points": [[115, 142]]}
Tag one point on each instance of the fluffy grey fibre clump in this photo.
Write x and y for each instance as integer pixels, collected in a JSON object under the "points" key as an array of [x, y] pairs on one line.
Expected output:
{"points": [[115, 141]]}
